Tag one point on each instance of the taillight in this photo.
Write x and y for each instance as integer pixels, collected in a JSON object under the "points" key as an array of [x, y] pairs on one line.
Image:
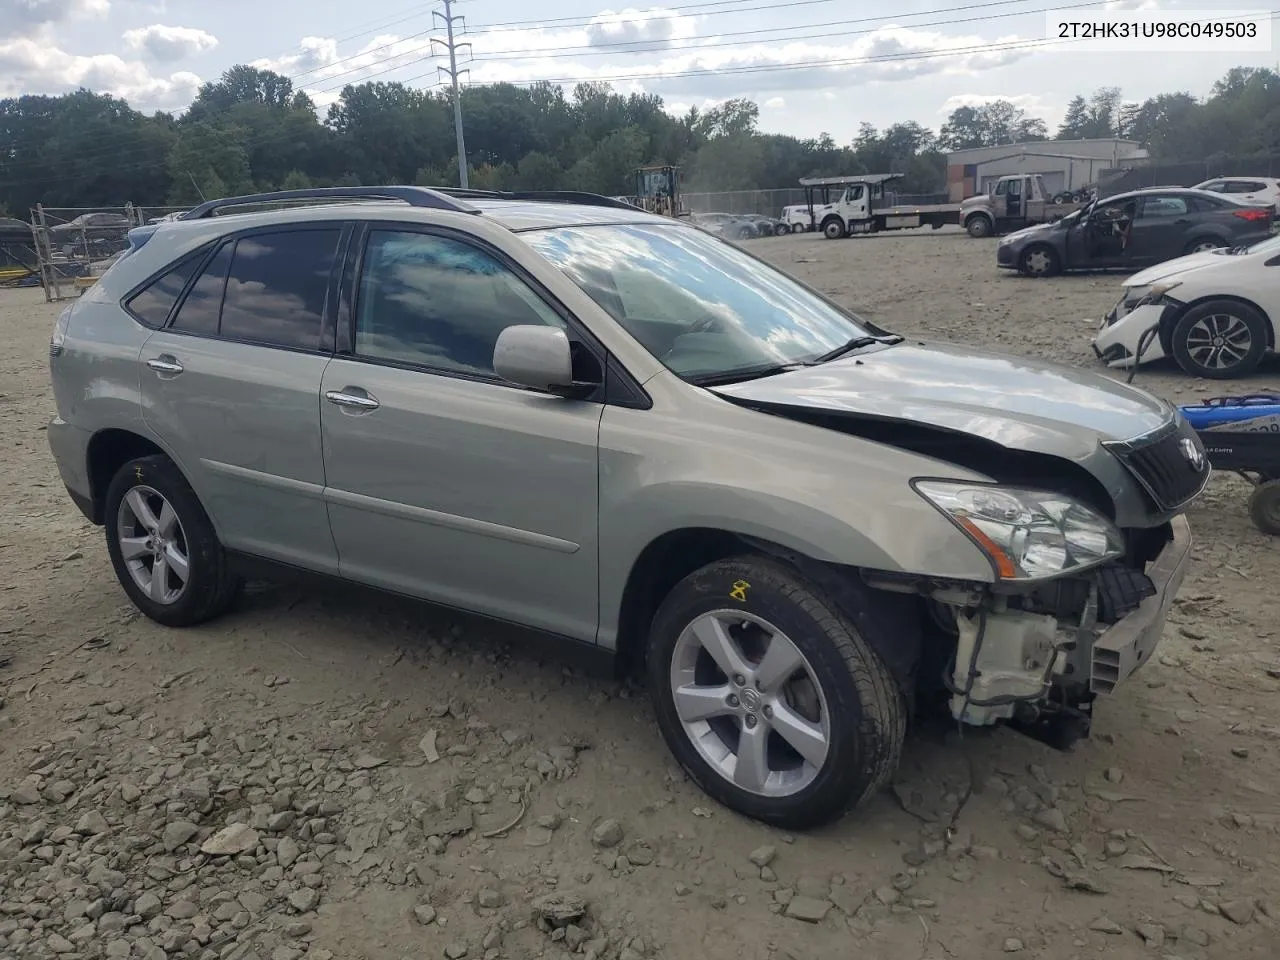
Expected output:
{"points": [[1253, 215], [60, 332]]}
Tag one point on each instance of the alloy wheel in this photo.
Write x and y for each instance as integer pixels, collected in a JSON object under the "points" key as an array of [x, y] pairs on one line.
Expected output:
{"points": [[1219, 341], [153, 545], [750, 703]]}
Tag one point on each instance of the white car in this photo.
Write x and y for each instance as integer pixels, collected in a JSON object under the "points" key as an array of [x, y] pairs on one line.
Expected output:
{"points": [[1245, 189], [1215, 313]]}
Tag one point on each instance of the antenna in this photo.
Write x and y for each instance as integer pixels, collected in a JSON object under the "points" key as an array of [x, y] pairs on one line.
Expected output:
{"points": [[453, 73]]}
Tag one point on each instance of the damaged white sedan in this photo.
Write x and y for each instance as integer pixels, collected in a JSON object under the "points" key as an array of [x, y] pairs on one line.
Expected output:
{"points": [[1213, 312]]}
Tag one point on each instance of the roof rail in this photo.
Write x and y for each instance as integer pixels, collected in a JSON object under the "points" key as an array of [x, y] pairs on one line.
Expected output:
{"points": [[414, 196], [545, 196]]}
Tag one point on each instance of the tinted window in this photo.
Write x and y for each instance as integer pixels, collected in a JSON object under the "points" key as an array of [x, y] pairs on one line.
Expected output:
{"points": [[276, 288], [199, 312], [1214, 186], [1164, 207], [153, 302], [438, 302], [1248, 186], [1206, 204]]}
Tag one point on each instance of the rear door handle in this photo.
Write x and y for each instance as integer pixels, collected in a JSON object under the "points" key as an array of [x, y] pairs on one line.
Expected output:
{"points": [[346, 397], [165, 364]]}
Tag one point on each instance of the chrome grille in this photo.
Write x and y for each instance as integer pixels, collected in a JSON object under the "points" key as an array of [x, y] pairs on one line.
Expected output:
{"points": [[1170, 464]]}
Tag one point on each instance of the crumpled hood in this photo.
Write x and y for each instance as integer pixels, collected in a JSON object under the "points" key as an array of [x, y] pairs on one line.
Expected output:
{"points": [[1019, 404], [1163, 271]]}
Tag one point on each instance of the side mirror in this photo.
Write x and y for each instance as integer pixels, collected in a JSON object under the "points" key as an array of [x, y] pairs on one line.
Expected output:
{"points": [[534, 355]]}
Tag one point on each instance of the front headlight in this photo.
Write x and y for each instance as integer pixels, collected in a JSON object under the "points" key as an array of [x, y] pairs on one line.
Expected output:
{"points": [[1026, 534]]}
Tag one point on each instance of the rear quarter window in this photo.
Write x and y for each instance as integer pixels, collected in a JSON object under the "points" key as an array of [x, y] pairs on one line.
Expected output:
{"points": [[152, 304]]}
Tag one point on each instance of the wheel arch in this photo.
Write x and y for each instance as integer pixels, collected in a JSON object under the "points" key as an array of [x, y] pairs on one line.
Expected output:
{"points": [[980, 215], [111, 448], [1170, 320], [672, 556]]}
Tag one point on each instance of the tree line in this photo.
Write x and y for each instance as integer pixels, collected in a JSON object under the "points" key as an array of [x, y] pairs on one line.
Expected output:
{"points": [[250, 130]]}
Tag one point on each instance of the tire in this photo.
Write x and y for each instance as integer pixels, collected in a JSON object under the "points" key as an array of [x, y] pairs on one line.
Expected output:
{"points": [[1220, 340], [839, 679], [746, 233], [979, 226], [782, 230], [1201, 244], [1039, 261], [1264, 507], [833, 229], [209, 587]]}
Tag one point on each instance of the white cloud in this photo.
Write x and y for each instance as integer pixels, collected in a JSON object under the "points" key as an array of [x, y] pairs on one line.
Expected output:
{"points": [[19, 18], [160, 42], [774, 103], [1030, 102], [32, 66], [656, 28]]}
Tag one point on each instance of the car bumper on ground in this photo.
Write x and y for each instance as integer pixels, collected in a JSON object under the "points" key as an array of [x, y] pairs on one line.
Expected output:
{"points": [[1006, 256], [1117, 341], [1125, 646]]}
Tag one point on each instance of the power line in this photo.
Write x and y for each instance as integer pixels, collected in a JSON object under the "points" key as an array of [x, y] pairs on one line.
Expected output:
{"points": [[1007, 46]]}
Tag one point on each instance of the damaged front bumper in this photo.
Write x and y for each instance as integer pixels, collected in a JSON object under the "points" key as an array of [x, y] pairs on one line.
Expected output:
{"points": [[1118, 340], [1126, 645], [1068, 643]]}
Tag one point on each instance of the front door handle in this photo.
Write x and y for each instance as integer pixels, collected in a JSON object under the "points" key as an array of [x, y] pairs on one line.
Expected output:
{"points": [[165, 364], [347, 398]]}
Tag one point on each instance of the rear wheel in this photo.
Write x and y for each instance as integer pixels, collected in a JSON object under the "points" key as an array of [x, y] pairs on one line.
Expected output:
{"points": [[1204, 244], [1220, 340], [163, 546], [1039, 261], [1264, 507], [769, 697], [833, 229]]}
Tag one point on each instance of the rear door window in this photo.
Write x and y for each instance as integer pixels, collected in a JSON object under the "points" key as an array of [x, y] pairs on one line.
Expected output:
{"points": [[277, 286], [199, 311]]}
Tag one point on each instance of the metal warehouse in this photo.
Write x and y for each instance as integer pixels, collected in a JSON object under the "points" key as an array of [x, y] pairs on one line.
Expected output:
{"points": [[1064, 164]]}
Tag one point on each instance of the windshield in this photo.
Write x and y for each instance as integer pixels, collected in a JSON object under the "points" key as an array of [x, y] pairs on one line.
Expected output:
{"points": [[701, 306]]}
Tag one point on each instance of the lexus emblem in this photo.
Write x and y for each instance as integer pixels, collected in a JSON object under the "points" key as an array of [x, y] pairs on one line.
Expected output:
{"points": [[1193, 456]]}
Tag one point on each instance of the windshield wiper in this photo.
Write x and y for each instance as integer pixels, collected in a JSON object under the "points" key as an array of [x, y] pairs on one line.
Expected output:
{"points": [[857, 343], [748, 373]]}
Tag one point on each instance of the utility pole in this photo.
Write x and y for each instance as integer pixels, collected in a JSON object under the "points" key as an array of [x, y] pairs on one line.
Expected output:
{"points": [[452, 72]]}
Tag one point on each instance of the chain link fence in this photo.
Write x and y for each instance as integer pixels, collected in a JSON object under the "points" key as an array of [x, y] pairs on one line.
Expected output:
{"points": [[769, 203], [75, 245], [1121, 180]]}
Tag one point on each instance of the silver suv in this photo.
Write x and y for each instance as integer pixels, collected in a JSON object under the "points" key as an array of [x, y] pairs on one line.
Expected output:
{"points": [[613, 427]]}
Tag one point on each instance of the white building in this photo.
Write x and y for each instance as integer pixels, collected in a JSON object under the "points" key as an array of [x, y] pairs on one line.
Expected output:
{"points": [[1064, 164]]}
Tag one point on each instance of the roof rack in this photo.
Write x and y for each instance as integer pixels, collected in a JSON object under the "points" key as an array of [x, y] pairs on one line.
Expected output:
{"points": [[414, 196], [544, 196]]}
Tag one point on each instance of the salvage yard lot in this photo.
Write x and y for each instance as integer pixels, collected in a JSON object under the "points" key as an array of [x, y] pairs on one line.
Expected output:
{"points": [[412, 783]]}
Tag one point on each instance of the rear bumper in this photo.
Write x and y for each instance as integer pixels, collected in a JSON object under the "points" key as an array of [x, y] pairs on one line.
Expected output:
{"points": [[1127, 645], [70, 448]]}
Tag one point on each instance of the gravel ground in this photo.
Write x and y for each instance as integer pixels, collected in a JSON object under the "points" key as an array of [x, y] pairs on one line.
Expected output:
{"points": [[326, 773]]}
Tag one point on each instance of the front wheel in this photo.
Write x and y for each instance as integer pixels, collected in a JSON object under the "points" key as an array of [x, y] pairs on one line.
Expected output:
{"points": [[768, 695], [1220, 340], [1039, 262], [782, 229], [745, 233], [979, 227], [833, 229], [163, 546]]}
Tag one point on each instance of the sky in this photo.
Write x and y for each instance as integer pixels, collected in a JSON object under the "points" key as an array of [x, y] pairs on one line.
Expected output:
{"points": [[813, 66]]}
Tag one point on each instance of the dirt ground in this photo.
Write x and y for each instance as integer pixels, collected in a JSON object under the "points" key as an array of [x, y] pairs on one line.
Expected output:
{"points": [[379, 780]]}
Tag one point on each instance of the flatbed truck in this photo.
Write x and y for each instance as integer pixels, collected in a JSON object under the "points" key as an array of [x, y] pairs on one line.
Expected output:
{"points": [[846, 206]]}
